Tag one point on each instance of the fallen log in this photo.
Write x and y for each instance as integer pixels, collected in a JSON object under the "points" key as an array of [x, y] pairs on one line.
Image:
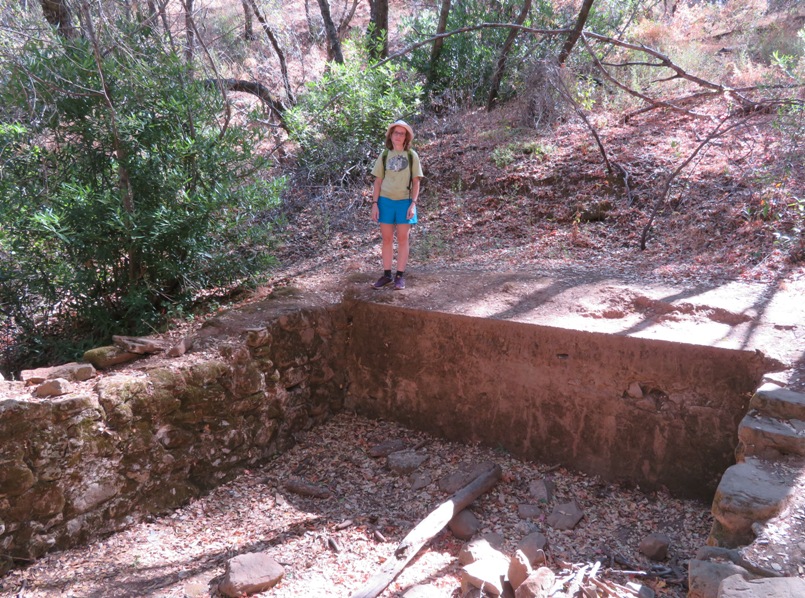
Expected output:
{"points": [[427, 529]]}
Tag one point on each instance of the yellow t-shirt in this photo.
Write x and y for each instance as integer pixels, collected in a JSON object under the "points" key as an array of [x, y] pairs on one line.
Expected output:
{"points": [[395, 178]]}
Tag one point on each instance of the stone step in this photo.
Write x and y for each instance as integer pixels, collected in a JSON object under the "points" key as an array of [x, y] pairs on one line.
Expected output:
{"points": [[774, 401], [749, 493], [770, 437]]}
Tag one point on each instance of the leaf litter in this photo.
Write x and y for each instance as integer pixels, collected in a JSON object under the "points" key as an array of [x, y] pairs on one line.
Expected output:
{"points": [[332, 544]]}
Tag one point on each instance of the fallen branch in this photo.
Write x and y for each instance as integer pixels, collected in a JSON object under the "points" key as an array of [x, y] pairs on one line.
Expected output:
{"points": [[427, 529]]}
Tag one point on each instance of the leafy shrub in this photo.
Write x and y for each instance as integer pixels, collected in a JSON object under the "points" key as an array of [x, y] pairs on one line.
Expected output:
{"points": [[117, 204], [340, 120]]}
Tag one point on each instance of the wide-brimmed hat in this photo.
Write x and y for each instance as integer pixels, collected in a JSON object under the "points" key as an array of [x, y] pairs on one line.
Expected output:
{"points": [[404, 125]]}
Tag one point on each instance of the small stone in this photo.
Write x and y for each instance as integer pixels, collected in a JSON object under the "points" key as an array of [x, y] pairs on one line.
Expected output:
{"points": [[250, 573], [565, 516], [519, 569], [486, 574], [635, 391], [405, 462], [533, 546], [480, 548], [53, 388], [655, 546], [384, 449], [419, 480], [464, 525], [536, 585], [542, 490], [525, 511]]}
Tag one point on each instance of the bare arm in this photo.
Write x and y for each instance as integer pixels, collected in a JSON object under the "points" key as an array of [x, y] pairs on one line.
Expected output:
{"points": [[375, 195], [414, 197], [415, 189]]}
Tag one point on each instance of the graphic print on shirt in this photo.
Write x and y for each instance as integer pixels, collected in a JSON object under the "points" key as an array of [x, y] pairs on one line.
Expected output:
{"points": [[397, 163]]}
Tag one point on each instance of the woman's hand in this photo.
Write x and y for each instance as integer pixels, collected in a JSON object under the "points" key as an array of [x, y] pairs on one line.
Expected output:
{"points": [[411, 211], [375, 212]]}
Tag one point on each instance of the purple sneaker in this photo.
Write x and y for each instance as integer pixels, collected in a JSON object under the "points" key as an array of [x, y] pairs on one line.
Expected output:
{"points": [[382, 281], [399, 283]]}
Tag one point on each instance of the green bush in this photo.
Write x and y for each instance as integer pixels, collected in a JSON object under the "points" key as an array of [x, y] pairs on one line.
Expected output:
{"points": [[340, 120], [116, 206]]}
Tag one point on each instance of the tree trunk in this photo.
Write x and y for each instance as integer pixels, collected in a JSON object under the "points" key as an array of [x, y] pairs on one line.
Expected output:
{"points": [[342, 28], [333, 45], [248, 30], [57, 13], [574, 36], [311, 28], [436, 49], [120, 154], [190, 35], [504, 53], [379, 18], [153, 13], [280, 54]]}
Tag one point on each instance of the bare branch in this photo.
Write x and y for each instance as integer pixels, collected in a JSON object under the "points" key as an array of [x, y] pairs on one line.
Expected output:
{"points": [[556, 81], [628, 64], [666, 189], [692, 98], [275, 44], [221, 89], [256, 89], [667, 63], [631, 91], [342, 28]]}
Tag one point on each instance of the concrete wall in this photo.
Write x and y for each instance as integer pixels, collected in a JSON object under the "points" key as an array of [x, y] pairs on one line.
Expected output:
{"points": [[556, 395]]}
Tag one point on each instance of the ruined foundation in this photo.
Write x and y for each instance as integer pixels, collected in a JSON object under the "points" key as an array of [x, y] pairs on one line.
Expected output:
{"points": [[656, 413]]}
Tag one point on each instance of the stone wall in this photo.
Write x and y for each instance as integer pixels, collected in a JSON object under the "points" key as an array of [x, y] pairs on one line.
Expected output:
{"points": [[127, 445]]}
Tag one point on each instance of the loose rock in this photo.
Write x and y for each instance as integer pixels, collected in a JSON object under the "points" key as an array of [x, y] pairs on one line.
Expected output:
{"points": [[464, 525], [537, 585], [404, 462], [250, 573], [565, 516], [655, 546], [53, 388]]}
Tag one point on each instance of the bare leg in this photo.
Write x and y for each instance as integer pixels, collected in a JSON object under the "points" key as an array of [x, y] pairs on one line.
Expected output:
{"points": [[387, 251], [403, 232]]}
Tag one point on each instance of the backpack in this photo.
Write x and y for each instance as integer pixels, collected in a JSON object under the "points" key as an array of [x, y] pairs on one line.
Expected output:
{"points": [[410, 166]]}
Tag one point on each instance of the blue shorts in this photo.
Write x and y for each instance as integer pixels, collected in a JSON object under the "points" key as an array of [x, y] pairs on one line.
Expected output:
{"points": [[394, 211]]}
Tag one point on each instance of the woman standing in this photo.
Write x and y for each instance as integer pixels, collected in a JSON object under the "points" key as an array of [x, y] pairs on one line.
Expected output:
{"points": [[397, 172]]}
